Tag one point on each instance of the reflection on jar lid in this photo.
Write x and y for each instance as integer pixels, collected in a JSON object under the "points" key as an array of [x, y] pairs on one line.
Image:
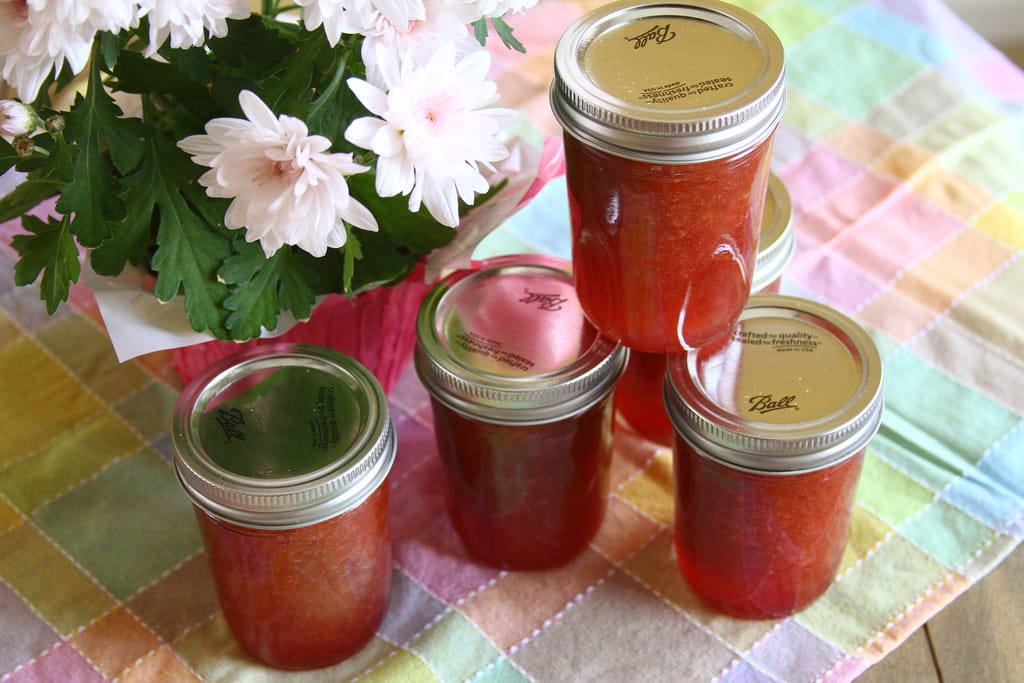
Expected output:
{"points": [[672, 81], [778, 241], [282, 435], [796, 387], [508, 341]]}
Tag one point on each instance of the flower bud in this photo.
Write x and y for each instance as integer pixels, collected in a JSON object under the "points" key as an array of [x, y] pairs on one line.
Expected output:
{"points": [[54, 124], [24, 147], [16, 119]]}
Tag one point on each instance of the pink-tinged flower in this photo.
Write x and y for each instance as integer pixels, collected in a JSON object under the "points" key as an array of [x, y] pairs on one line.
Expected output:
{"points": [[350, 16], [38, 36], [432, 130], [187, 22], [285, 187], [477, 9], [16, 119], [420, 34]]}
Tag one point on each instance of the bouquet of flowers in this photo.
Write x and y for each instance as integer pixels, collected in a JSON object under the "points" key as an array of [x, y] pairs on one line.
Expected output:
{"points": [[250, 161]]}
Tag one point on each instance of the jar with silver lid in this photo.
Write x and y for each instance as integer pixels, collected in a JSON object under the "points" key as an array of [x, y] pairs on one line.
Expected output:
{"points": [[284, 451], [669, 111], [771, 428], [520, 385]]}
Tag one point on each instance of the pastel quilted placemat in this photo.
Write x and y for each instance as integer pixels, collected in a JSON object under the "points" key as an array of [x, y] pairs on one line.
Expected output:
{"points": [[903, 149]]}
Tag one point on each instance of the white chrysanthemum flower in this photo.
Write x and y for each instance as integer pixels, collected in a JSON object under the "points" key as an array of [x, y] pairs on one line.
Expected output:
{"points": [[38, 36], [477, 9], [421, 35], [187, 22], [16, 119], [350, 16], [434, 129], [285, 188]]}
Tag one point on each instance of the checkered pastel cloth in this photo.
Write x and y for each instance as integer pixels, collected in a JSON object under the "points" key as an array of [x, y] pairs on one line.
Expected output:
{"points": [[903, 148]]}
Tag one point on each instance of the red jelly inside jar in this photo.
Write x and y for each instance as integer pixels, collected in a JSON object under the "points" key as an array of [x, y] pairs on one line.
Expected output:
{"points": [[664, 254], [307, 597], [638, 396], [520, 387], [284, 451], [669, 112], [771, 431]]}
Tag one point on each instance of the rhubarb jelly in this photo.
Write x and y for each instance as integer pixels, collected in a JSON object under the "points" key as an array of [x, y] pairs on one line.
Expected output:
{"points": [[284, 451], [520, 386], [771, 429], [638, 396], [669, 110]]}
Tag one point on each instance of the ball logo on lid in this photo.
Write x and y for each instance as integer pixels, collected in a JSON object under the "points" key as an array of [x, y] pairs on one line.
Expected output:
{"points": [[767, 403], [231, 422], [659, 34], [545, 302]]}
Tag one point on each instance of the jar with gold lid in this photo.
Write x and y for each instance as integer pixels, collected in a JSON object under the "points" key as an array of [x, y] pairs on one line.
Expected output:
{"points": [[771, 429], [669, 111]]}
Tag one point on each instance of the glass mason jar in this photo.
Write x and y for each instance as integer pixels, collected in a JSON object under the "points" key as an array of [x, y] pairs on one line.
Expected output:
{"points": [[284, 451], [520, 385], [771, 429], [668, 110], [638, 396]]}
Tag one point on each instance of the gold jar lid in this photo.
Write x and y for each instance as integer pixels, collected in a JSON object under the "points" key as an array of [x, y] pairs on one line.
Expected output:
{"points": [[676, 82], [796, 387], [778, 241]]}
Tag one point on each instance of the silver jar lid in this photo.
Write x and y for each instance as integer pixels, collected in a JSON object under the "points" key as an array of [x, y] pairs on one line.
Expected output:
{"points": [[282, 436], [797, 387], [778, 241], [672, 82], [508, 342]]}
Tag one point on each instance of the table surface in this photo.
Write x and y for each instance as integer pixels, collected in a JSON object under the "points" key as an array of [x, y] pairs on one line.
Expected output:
{"points": [[903, 149]]}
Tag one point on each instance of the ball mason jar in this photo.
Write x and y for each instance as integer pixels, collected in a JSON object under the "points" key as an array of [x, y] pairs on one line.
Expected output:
{"points": [[771, 430], [669, 110], [284, 451], [638, 396], [520, 385]]}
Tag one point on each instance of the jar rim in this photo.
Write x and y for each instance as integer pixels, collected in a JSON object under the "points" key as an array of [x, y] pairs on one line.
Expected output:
{"points": [[331, 489]]}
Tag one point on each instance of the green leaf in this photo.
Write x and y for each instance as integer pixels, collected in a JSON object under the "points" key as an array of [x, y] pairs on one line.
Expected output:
{"points": [[264, 287], [95, 126], [189, 248], [504, 32], [96, 118], [382, 262], [352, 252], [110, 48], [480, 31], [251, 42], [417, 231], [8, 157], [136, 74], [26, 196], [48, 249], [46, 177], [131, 239]]}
